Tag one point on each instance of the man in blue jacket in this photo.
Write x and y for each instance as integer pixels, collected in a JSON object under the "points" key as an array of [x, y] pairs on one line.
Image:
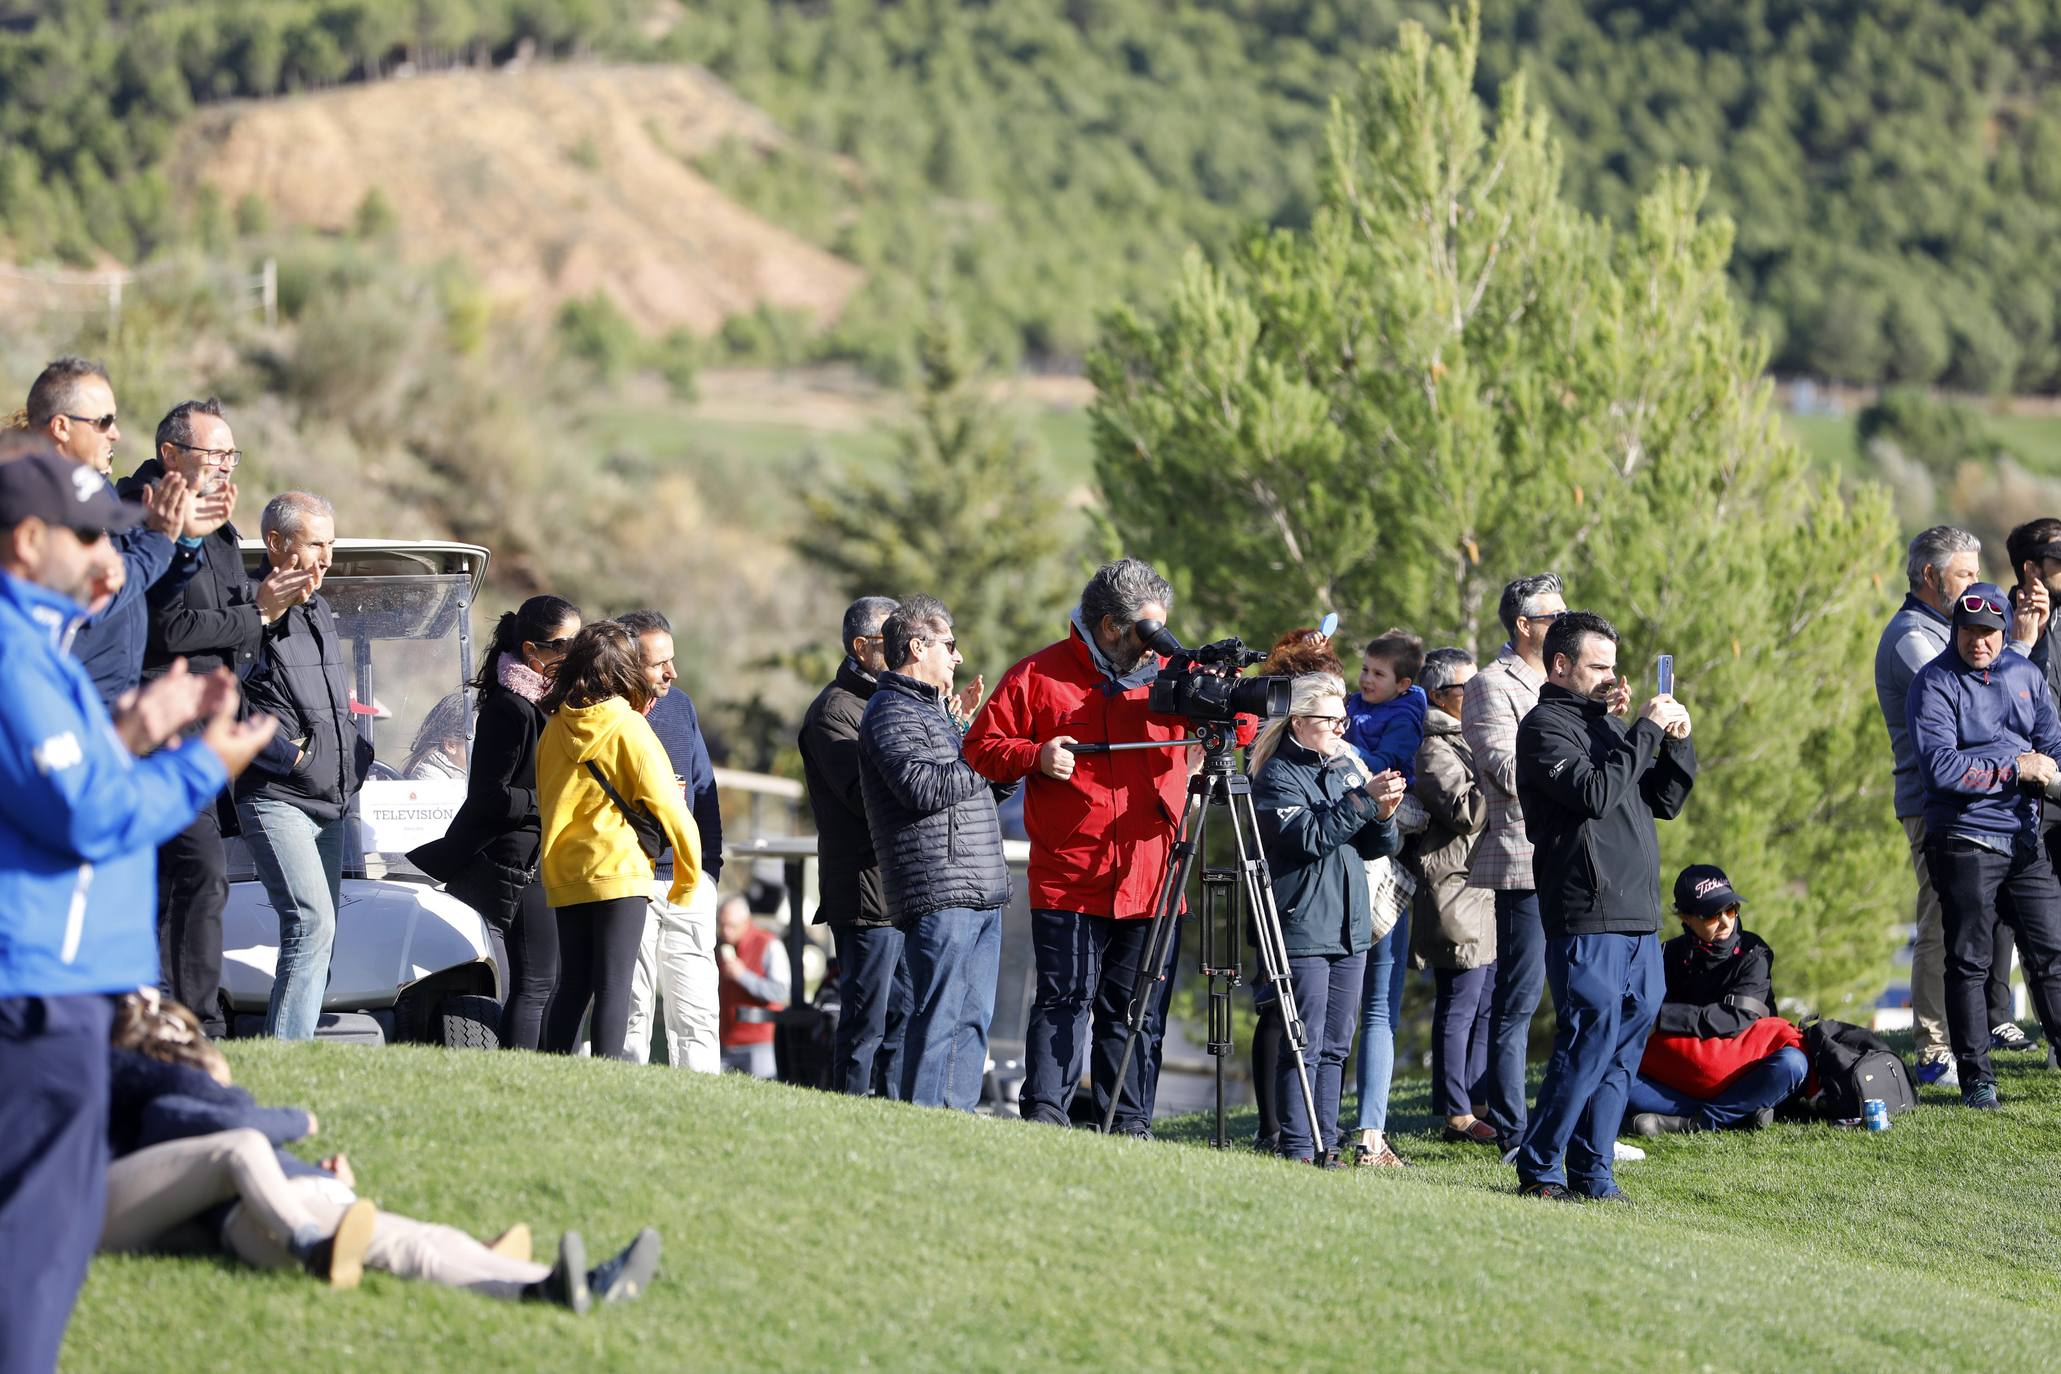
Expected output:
{"points": [[676, 960], [1986, 735], [84, 801]]}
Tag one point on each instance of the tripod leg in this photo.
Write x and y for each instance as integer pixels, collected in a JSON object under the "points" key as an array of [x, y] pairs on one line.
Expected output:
{"points": [[1266, 921], [1165, 926]]}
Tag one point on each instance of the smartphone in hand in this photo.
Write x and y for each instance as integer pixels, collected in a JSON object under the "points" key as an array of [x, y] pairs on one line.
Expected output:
{"points": [[1664, 675]]}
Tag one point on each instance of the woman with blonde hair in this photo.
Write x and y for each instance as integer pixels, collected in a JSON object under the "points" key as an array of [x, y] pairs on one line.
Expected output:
{"points": [[1320, 818], [609, 804]]}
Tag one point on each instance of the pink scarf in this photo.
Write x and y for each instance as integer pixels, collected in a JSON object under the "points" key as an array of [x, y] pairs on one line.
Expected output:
{"points": [[518, 677]]}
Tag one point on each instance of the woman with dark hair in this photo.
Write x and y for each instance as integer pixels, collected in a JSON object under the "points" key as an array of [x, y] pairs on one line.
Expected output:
{"points": [[609, 804], [439, 750], [488, 857]]}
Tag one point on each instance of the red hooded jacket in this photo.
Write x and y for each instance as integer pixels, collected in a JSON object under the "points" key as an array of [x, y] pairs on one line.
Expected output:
{"points": [[1099, 839]]}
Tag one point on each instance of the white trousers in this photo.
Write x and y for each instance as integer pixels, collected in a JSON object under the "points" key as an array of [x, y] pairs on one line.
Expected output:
{"points": [[676, 964]]}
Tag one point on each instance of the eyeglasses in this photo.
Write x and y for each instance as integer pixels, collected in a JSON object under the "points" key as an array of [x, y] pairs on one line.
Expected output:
{"points": [[223, 458], [1975, 603], [1333, 722], [103, 424]]}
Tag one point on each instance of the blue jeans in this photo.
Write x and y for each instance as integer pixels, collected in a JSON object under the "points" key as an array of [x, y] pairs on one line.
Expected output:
{"points": [[1520, 978], [300, 861], [1766, 1084], [873, 997], [1388, 963], [1606, 991], [1087, 968], [53, 1166], [954, 957], [1327, 995], [1459, 1036]]}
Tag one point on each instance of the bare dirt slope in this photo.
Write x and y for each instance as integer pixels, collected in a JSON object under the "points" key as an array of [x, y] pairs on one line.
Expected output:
{"points": [[553, 181]]}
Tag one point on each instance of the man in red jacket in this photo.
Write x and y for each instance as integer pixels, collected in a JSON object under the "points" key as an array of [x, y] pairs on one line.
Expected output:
{"points": [[1101, 828]]}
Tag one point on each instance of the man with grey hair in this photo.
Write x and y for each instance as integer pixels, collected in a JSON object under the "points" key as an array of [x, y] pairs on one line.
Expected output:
{"points": [[1942, 563], [939, 842], [872, 980], [215, 618], [294, 801], [1101, 834], [1495, 700]]}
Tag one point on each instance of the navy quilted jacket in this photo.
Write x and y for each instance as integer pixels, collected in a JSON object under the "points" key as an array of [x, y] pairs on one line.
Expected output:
{"points": [[933, 818]]}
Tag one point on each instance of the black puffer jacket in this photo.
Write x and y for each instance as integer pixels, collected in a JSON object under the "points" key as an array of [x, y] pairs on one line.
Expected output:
{"points": [[210, 620], [1591, 789], [1716, 990], [932, 817], [1319, 827], [848, 875], [489, 852], [303, 679]]}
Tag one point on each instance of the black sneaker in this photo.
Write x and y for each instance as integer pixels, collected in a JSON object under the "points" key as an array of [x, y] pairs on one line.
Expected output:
{"points": [[2011, 1036], [1759, 1121], [1545, 1192], [1614, 1195], [566, 1284], [339, 1259], [628, 1274], [1657, 1123], [1982, 1097]]}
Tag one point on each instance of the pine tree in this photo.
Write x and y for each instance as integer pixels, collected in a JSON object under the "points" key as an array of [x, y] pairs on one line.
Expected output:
{"points": [[1452, 378], [961, 511]]}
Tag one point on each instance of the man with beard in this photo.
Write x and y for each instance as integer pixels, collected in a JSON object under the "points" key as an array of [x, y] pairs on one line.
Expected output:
{"points": [[1101, 832], [1591, 791]]}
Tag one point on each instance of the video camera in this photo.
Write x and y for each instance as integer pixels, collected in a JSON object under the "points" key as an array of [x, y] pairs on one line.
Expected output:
{"points": [[1205, 684]]}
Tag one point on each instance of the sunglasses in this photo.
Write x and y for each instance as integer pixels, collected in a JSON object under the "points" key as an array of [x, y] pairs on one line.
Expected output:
{"points": [[951, 645], [557, 646], [1545, 618], [103, 424], [1975, 603]]}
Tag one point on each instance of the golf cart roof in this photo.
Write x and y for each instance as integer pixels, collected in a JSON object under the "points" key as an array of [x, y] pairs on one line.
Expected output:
{"points": [[395, 558]]}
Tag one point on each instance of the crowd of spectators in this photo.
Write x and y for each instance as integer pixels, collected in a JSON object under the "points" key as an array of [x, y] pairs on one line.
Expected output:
{"points": [[1495, 824]]}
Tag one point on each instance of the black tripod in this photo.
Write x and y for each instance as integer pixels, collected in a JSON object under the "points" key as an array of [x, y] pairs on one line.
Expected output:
{"points": [[1224, 913]]}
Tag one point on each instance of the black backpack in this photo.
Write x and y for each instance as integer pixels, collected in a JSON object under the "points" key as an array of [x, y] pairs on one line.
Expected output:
{"points": [[1854, 1064]]}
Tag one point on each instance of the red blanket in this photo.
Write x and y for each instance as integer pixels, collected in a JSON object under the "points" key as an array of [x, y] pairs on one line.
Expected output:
{"points": [[1702, 1068]]}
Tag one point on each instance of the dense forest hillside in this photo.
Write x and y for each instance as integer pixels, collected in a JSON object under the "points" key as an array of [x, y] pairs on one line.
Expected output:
{"points": [[1893, 166]]}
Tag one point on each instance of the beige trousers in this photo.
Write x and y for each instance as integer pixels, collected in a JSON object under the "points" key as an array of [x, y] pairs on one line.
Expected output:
{"points": [[155, 1195]]}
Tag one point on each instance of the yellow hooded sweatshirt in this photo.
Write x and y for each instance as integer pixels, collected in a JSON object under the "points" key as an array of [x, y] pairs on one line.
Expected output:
{"points": [[590, 853]]}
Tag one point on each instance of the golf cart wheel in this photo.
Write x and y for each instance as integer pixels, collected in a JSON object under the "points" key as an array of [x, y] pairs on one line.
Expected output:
{"points": [[469, 1023]]}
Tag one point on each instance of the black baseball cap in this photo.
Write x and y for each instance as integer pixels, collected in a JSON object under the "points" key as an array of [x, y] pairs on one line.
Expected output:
{"points": [[1703, 891], [58, 491], [1984, 604]]}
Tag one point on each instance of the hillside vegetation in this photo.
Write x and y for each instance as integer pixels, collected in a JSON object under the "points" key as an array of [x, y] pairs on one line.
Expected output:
{"points": [[1893, 167], [805, 1231]]}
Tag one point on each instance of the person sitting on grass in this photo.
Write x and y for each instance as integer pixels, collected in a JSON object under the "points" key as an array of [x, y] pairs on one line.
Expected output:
{"points": [[1719, 1058], [198, 1166]]}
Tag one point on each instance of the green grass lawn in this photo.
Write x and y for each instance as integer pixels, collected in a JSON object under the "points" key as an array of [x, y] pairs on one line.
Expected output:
{"points": [[804, 1231]]}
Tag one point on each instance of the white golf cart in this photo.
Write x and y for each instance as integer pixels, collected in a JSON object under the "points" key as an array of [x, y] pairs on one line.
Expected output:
{"points": [[411, 962]]}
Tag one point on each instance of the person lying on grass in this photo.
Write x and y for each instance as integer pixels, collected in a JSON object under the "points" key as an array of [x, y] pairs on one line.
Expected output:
{"points": [[1719, 1058], [197, 1166]]}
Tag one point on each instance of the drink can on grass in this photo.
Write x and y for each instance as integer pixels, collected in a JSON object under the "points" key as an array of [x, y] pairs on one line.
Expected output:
{"points": [[1876, 1113]]}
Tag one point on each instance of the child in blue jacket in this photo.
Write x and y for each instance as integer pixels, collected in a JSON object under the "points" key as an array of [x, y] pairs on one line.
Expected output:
{"points": [[1385, 719]]}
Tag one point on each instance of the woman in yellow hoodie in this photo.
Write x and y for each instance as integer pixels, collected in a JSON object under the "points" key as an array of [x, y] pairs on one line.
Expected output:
{"points": [[602, 777]]}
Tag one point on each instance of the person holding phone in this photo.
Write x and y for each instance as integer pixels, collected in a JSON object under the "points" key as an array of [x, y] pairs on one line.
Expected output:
{"points": [[1592, 789]]}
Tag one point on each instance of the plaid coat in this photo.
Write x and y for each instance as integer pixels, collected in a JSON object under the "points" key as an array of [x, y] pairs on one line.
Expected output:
{"points": [[1498, 697]]}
